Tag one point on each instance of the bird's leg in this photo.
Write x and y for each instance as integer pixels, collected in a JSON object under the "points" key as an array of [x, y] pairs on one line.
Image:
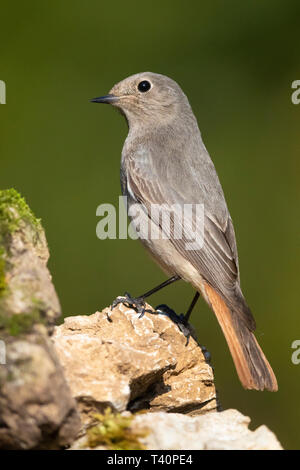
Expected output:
{"points": [[138, 303], [186, 317], [161, 286]]}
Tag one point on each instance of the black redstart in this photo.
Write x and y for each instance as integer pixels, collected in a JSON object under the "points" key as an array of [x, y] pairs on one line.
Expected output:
{"points": [[165, 163]]}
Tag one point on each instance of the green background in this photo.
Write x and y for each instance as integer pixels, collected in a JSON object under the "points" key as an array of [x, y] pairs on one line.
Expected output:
{"points": [[236, 62]]}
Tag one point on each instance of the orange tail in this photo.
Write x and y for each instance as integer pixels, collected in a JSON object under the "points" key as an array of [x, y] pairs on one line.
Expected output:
{"points": [[251, 364]]}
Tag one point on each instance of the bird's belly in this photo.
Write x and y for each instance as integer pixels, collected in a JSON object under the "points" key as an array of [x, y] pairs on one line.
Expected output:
{"points": [[165, 253]]}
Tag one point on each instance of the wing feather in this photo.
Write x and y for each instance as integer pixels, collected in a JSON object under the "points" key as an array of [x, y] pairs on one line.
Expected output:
{"points": [[217, 260]]}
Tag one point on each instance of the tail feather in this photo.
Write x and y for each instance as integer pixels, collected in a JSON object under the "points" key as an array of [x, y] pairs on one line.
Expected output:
{"points": [[251, 364]]}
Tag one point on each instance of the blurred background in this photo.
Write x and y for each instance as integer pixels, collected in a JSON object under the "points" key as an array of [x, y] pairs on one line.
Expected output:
{"points": [[236, 62]]}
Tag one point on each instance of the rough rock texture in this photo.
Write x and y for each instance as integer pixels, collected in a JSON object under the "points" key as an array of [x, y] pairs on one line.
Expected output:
{"points": [[36, 407], [110, 359], [226, 430], [133, 363], [25, 282]]}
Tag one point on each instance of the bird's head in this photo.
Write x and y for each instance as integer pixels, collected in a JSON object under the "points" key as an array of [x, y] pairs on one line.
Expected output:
{"points": [[146, 97]]}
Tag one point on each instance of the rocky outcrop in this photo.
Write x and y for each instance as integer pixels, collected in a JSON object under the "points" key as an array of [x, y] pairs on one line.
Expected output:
{"points": [[118, 361], [114, 358], [27, 295], [110, 380], [36, 407], [226, 430]]}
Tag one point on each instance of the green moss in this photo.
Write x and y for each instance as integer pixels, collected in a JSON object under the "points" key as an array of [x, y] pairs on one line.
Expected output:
{"points": [[13, 210], [17, 324], [14, 215], [113, 431]]}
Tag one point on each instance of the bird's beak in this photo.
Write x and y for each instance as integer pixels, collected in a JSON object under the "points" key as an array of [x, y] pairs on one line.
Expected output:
{"points": [[107, 99]]}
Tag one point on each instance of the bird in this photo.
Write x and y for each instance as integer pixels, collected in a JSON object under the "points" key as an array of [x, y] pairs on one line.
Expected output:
{"points": [[164, 162]]}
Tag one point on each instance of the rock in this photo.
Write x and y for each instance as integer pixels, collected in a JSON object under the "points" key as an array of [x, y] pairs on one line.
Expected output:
{"points": [[226, 430], [119, 360], [112, 362], [26, 289], [36, 407]]}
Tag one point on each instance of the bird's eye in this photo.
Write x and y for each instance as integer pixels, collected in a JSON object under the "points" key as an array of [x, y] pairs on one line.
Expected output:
{"points": [[144, 86]]}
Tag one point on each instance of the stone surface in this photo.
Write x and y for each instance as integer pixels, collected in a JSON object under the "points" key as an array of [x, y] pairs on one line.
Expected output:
{"points": [[226, 430], [36, 407], [110, 359], [25, 282], [119, 360]]}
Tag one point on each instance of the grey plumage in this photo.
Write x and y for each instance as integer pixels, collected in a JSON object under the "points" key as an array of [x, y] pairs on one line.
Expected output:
{"points": [[165, 162]]}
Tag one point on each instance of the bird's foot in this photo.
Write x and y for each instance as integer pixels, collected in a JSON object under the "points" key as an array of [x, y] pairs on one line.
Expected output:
{"points": [[180, 320], [137, 303]]}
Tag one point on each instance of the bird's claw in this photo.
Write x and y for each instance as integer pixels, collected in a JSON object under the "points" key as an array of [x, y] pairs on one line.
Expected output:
{"points": [[137, 303]]}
